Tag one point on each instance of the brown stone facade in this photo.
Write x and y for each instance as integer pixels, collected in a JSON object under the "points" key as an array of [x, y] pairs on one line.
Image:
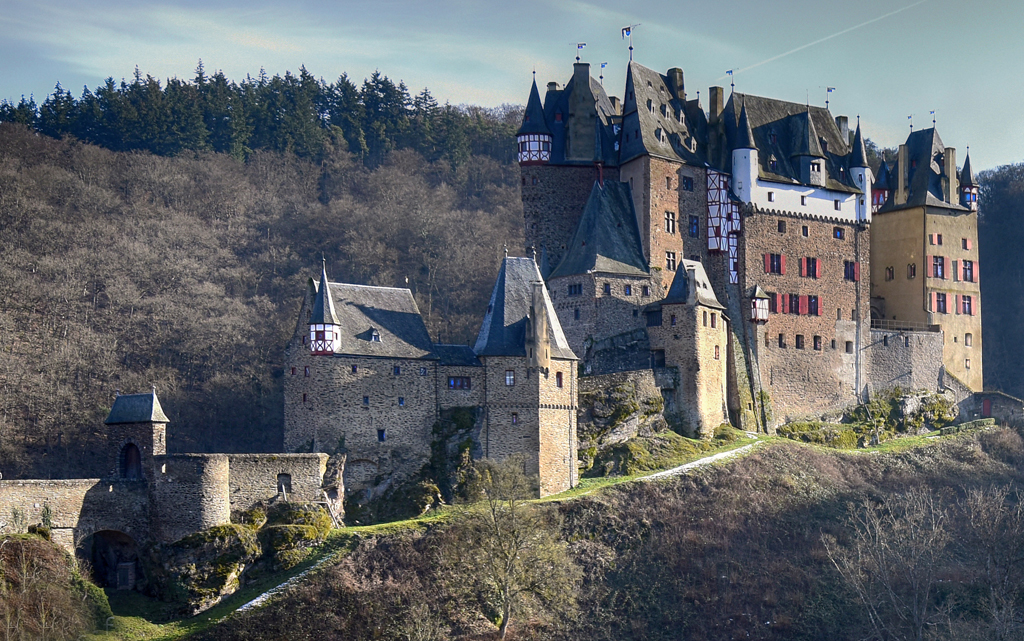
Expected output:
{"points": [[258, 477], [553, 201], [533, 416], [807, 363]]}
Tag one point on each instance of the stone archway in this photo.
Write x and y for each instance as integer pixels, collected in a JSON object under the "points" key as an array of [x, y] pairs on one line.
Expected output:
{"points": [[114, 558]]}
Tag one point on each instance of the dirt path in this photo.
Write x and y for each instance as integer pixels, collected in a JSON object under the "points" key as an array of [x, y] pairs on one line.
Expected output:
{"points": [[707, 460]]}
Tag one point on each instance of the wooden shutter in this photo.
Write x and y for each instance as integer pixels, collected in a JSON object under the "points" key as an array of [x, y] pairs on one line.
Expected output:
{"points": [[977, 266], [931, 302], [945, 267], [785, 303], [782, 261], [931, 239], [803, 304], [956, 303], [956, 266], [803, 266], [856, 271], [931, 266], [767, 263], [821, 304], [817, 268], [968, 244]]}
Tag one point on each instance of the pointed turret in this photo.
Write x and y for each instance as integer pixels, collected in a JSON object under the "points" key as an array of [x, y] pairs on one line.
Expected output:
{"points": [[880, 190], [859, 155], [323, 320], [807, 154], [534, 137], [745, 136], [968, 185]]}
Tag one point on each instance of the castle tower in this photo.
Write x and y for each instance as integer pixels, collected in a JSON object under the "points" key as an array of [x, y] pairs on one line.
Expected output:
{"points": [[136, 432], [880, 189], [323, 322], [968, 186], [744, 160], [534, 137], [861, 174], [531, 385]]}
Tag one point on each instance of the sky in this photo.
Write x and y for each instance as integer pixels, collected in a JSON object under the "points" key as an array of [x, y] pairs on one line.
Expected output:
{"points": [[886, 59]]}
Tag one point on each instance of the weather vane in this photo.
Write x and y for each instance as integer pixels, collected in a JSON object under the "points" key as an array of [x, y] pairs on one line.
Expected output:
{"points": [[603, 65], [579, 48], [828, 92], [911, 119], [732, 81], [627, 32]]}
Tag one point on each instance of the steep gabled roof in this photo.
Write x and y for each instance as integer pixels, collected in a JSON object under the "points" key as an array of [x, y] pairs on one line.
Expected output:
{"points": [[665, 129], [745, 137], [503, 331], [323, 305], [783, 131], [136, 408], [882, 180], [533, 117], [391, 312], [925, 157], [556, 116], [607, 238], [679, 292]]}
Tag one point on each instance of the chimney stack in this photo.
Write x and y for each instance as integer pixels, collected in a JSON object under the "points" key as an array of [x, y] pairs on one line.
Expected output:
{"points": [[553, 86], [949, 168], [716, 104], [901, 183], [844, 129], [616, 105], [675, 83]]}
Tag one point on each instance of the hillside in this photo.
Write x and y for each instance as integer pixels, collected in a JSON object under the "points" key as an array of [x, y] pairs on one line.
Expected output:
{"points": [[126, 270], [735, 551]]}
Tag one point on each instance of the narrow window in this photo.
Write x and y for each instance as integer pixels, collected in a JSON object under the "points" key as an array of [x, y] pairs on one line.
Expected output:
{"points": [[817, 343], [293, 371], [646, 291], [576, 313], [782, 341], [694, 227], [812, 305], [938, 239], [833, 343], [672, 320], [803, 201], [284, 483], [940, 303], [967, 363], [714, 318], [607, 288], [355, 369], [510, 377], [794, 304], [705, 319], [938, 266], [366, 400], [969, 340], [670, 222], [838, 204], [782, 227], [799, 341], [965, 244], [305, 372], [771, 196], [687, 183], [398, 370], [804, 230], [401, 401], [967, 305], [911, 271], [968, 271], [890, 273], [849, 347], [629, 290], [303, 398], [382, 435], [670, 261], [716, 353], [515, 418], [773, 303], [558, 379], [423, 371]]}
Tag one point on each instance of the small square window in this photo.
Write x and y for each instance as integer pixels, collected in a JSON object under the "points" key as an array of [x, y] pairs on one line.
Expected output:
{"points": [[687, 183], [510, 377], [401, 401], [355, 369], [629, 290], [293, 371], [849, 347], [771, 196], [838, 232], [382, 435], [817, 343], [423, 371], [799, 341], [838, 204], [782, 341], [398, 370], [366, 400], [607, 288], [803, 201], [646, 291], [782, 227]]}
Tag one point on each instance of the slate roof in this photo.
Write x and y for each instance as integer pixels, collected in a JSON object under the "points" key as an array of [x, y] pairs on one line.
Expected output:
{"points": [[136, 408], [556, 102], [533, 117], [360, 309], [503, 331], [859, 156], [882, 180], [745, 137], [967, 174], [679, 292], [924, 176], [784, 131], [323, 305], [607, 239], [456, 355], [672, 127]]}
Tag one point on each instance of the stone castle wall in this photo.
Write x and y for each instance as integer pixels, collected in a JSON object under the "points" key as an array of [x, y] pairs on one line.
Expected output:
{"points": [[190, 493], [448, 398], [254, 477], [908, 360], [801, 381], [553, 201], [557, 466]]}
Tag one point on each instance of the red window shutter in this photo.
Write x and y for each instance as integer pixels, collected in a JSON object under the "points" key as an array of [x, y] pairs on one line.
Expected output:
{"points": [[767, 263], [821, 305], [977, 266], [931, 302], [803, 266], [785, 303], [931, 266], [931, 239], [956, 266], [856, 271], [817, 269], [803, 304], [976, 307], [956, 303], [945, 267], [968, 243], [782, 259]]}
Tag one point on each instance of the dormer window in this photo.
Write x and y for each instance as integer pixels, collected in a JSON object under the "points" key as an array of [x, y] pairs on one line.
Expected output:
{"points": [[650, 105], [816, 166], [824, 146], [773, 164], [374, 336], [664, 111], [773, 138]]}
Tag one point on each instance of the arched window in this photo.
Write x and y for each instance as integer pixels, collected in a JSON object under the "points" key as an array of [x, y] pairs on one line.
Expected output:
{"points": [[131, 462]]}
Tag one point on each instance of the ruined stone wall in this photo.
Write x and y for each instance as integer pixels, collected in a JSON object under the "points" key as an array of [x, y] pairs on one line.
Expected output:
{"points": [[801, 380], [909, 360], [381, 419], [553, 201], [79, 507], [190, 493], [254, 477]]}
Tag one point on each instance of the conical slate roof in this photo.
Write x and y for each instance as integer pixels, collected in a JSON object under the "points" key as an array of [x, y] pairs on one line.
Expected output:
{"points": [[503, 331], [323, 306], [607, 238], [966, 174], [533, 117], [679, 292], [136, 408], [859, 156], [882, 180], [805, 137], [745, 138]]}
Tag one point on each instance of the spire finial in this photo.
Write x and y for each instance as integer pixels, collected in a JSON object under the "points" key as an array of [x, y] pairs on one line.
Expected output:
{"points": [[533, 253], [627, 32], [911, 119], [506, 250], [933, 118]]}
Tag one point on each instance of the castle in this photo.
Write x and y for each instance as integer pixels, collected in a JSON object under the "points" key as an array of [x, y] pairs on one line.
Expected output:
{"points": [[747, 256]]}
